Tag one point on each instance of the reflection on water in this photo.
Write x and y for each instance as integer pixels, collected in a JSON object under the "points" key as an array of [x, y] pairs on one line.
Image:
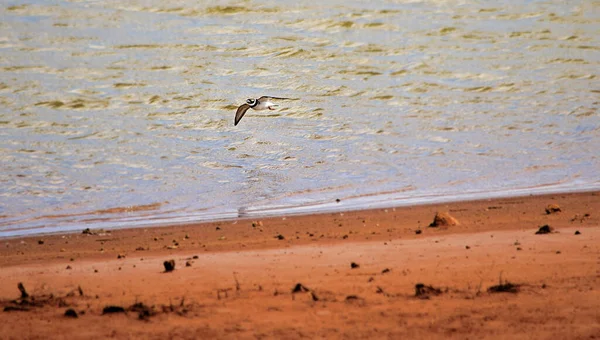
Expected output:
{"points": [[116, 112]]}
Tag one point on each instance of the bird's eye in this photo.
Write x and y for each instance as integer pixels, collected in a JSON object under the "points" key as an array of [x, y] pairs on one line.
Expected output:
{"points": [[250, 101]]}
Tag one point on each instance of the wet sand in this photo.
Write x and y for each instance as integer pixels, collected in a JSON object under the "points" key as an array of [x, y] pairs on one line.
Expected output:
{"points": [[357, 273]]}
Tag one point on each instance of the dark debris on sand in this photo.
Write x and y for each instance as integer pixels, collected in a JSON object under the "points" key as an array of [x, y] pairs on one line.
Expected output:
{"points": [[112, 310], [505, 287], [352, 297], [300, 288], [24, 294], [144, 312], [423, 291], [169, 265], [71, 313], [27, 302], [545, 229]]}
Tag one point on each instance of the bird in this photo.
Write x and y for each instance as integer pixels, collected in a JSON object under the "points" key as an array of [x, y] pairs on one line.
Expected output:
{"points": [[262, 103]]}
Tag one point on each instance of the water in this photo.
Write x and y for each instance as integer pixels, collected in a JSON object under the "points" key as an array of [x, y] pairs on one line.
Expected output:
{"points": [[120, 113]]}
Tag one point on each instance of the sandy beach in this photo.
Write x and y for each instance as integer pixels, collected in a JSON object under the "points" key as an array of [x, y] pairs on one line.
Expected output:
{"points": [[383, 273]]}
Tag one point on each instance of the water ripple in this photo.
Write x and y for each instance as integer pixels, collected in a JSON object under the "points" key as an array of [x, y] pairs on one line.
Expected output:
{"points": [[120, 112]]}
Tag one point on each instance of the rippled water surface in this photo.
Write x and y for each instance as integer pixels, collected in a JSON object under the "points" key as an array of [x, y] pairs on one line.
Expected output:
{"points": [[117, 113]]}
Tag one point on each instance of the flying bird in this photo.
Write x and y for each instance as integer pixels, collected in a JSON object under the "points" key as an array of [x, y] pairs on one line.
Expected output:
{"points": [[262, 103]]}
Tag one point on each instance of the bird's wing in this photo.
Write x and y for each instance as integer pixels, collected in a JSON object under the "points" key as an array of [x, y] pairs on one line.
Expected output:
{"points": [[241, 111], [269, 97]]}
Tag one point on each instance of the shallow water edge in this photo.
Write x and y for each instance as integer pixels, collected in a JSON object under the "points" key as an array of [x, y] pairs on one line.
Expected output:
{"points": [[390, 200]]}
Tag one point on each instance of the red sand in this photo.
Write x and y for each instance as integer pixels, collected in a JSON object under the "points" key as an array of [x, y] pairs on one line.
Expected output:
{"points": [[240, 285]]}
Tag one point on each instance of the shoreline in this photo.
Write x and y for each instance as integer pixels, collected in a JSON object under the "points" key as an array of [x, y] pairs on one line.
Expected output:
{"points": [[278, 219], [391, 201], [241, 274]]}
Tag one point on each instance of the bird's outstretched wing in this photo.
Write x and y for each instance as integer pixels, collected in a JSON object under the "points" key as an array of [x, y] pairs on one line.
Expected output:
{"points": [[263, 98], [241, 111]]}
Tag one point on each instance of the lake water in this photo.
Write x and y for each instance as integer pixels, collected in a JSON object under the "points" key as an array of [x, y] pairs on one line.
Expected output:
{"points": [[120, 113]]}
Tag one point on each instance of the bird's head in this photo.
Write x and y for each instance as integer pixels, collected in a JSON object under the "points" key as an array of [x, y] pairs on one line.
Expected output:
{"points": [[251, 101]]}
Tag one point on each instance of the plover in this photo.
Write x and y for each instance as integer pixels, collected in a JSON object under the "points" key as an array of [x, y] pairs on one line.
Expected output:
{"points": [[262, 103]]}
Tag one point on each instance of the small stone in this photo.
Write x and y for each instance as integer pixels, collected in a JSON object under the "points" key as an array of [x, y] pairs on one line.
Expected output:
{"points": [[577, 232], [71, 313], [552, 208], [113, 309], [40, 241], [121, 256], [354, 265], [280, 237], [68, 267], [169, 265], [545, 229], [443, 219], [467, 247], [188, 263], [418, 231]]}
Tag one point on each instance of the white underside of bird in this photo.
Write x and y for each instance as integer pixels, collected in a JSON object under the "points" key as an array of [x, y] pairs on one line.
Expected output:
{"points": [[262, 103], [268, 105]]}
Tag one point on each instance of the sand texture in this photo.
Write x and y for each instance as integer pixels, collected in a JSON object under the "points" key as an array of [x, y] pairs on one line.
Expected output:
{"points": [[490, 272]]}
